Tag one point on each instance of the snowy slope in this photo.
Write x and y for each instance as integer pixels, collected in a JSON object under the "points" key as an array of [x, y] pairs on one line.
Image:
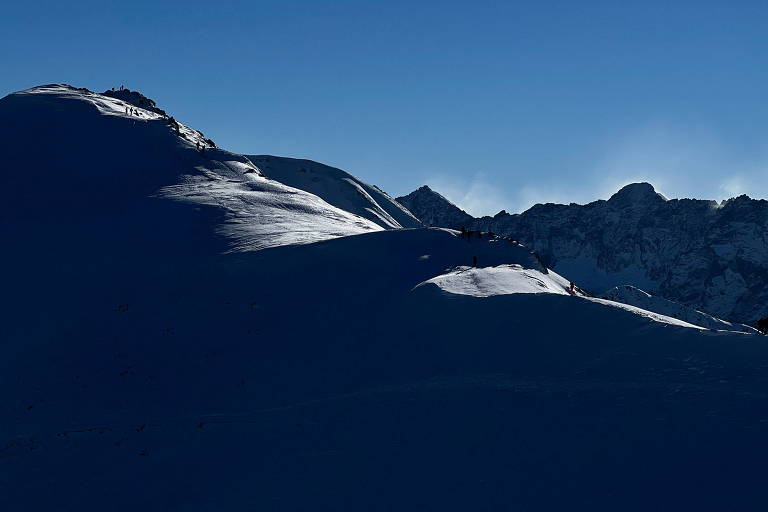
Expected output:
{"points": [[283, 378], [514, 279], [70, 152], [338, 188], [628, 294]]}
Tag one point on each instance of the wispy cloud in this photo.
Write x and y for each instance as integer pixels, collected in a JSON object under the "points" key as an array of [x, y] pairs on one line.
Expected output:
{"points": [[479, 196], [678, 160], [682, 161], [734, 186], [475, 195]]}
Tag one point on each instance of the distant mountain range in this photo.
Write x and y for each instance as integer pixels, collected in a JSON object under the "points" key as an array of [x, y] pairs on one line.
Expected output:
{"points": [[704, 254]]}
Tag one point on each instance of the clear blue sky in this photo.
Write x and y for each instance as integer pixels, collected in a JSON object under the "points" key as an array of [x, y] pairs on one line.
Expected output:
{"points": [[496, 104]]}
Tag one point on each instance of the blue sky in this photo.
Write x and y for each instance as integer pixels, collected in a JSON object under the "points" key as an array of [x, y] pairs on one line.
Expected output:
{"points": [[495, 104]]}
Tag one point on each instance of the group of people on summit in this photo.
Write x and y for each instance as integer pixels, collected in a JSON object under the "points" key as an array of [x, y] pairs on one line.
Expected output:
{"points": [[129, 96], [469, 233]]}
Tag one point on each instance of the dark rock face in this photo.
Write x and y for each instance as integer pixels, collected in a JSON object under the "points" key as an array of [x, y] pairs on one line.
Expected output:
{"points": [[713, 257], [435, 210], [636, 194]]}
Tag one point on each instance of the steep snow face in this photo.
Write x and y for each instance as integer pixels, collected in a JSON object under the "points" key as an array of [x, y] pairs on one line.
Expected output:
{"points": [[435, 210], [628, 294], [338, 188], [713, 258], [129, 171]]}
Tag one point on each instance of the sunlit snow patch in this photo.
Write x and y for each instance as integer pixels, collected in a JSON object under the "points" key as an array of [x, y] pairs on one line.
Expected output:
{"points": [[515, 279], [338, 188], [500, 280]]}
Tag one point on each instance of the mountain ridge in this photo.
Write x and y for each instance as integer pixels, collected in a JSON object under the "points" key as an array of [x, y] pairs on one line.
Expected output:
{"points": [[707, 255]]}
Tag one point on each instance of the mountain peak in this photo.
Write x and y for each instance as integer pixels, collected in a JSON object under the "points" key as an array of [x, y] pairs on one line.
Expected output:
{"points": [[433, 209], [637, 193], [424, 192]]}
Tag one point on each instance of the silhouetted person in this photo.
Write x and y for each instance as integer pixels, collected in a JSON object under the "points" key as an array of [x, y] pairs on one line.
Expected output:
{"points": [[572, 289]]}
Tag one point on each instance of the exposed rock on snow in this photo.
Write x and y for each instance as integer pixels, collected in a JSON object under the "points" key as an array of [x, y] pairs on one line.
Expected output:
{"points": [[136, 99]]}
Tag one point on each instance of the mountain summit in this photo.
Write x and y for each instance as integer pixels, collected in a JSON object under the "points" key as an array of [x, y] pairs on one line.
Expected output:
{"points": [[637, 194], [119, 158], [434, 209]]}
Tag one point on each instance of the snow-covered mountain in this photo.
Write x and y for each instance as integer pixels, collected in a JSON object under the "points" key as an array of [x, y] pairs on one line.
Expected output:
{"points": [[70, 153], [434, 209], [152, 359], [709, 256], [338, 188]]}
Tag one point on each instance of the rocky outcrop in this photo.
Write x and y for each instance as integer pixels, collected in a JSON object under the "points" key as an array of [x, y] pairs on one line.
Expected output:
{"points": [[435, 210]]}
